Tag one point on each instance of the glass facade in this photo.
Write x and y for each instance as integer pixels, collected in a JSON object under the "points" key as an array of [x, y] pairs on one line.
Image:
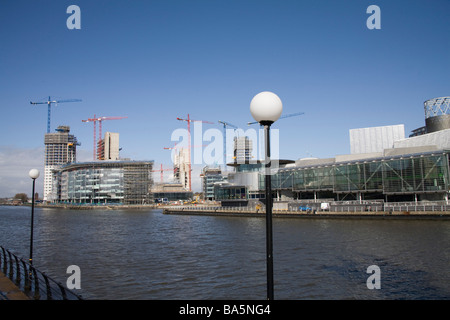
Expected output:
{"points": [[113, 182], [230, 193], [210, 176], [93, 185], [173, 196], [408, 174], [423, 174]]}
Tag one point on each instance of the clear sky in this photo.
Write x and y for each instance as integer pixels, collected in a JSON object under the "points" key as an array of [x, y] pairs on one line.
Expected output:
{"points": [[154, 61]]}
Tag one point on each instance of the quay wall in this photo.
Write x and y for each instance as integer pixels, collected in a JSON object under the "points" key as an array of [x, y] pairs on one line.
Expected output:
{"points": [[91, 207], [241, 212], [318, 214]]}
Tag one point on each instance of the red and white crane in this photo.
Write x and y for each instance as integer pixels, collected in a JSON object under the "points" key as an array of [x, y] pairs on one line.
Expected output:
{"points": [[96, 119]]}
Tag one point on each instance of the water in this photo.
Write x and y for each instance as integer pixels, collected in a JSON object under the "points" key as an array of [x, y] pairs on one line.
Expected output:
{"points": [[144, 254]]}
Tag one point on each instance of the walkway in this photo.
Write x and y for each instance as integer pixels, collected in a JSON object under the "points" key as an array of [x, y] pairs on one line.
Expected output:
{"points": [[9, 291]]}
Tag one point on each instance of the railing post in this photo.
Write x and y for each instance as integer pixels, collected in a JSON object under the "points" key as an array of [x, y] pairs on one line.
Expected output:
{"points": [[27, 284], [5, 266], [18, 280], [11, 268], [36, 284], [63, 291], [48, 288]]}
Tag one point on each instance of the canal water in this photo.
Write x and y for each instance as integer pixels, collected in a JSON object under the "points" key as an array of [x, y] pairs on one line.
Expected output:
{"points": [[144, 254]]}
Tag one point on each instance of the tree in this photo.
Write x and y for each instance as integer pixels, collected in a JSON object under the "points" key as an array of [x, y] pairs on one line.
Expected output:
{"points": [[21, 196]]}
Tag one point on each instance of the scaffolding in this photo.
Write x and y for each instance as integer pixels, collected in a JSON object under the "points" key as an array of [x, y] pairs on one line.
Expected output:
{"points": [[137, 178]]}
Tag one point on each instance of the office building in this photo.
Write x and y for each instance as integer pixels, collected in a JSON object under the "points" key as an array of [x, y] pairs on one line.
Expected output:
{"points": [[210, 176], [104, 182]]}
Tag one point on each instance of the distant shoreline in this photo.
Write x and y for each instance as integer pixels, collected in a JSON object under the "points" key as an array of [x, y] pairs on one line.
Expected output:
{"points": [[84, 206], [244, 212]]}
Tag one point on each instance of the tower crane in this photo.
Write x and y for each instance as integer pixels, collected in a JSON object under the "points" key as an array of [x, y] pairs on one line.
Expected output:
{"points": [[225, 125], [99, 120], [282, 117], [177, 147], [189, 120], [49, 103]]}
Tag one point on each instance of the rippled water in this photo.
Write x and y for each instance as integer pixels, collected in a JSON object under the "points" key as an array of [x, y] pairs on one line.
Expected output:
{"points": [[139, 254]]}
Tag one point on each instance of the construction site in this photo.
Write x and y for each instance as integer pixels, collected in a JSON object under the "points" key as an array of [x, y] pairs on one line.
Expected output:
{"points": [[108, 179], [384, 166]]}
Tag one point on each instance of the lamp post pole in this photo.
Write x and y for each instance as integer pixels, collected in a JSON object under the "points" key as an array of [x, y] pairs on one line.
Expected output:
{"points": [[34, 174], [269, 205], [266, 108]]}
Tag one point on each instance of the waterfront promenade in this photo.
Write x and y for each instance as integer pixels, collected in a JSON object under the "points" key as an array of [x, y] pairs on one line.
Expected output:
{"points": [[394, 210], [9, 291], [220, 211]]}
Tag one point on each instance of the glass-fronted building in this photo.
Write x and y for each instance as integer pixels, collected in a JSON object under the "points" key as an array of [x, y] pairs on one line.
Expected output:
{"points": [[423, 176], [403, 177], [210, 176], [104, 182]]}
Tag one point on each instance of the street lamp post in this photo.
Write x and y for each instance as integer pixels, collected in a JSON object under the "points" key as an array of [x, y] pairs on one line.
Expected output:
{"points": [[34, 174], [266, 108]]}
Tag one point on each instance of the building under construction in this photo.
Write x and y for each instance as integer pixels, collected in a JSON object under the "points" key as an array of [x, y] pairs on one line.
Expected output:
{"points": [[104, 182], [60, 149]]}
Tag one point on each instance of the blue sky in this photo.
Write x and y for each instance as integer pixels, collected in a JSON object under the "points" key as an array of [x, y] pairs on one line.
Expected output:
{"points": [[154, 61]]}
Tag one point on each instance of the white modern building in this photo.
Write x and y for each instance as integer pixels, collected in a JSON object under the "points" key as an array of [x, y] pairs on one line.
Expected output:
{"points": [[375, 139]]}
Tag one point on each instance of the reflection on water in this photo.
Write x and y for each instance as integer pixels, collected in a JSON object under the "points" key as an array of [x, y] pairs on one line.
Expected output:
{"points": [[147, 255]]}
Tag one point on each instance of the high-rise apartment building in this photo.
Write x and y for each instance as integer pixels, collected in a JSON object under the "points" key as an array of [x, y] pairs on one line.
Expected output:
{"points": [[60, 149], [243, 148], [108, 147]]}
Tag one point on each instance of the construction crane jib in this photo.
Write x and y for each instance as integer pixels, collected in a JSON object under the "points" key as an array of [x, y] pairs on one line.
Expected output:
{"points": [[282, 117], [96, 119], [49, 103]]}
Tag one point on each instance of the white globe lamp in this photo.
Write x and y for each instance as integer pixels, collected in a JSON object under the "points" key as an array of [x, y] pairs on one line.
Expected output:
{"points": [[266, 107], [34, 173]]}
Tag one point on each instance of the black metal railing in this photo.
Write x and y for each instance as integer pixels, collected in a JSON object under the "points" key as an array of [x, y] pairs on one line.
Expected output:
{"points": [[32, 282]]}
